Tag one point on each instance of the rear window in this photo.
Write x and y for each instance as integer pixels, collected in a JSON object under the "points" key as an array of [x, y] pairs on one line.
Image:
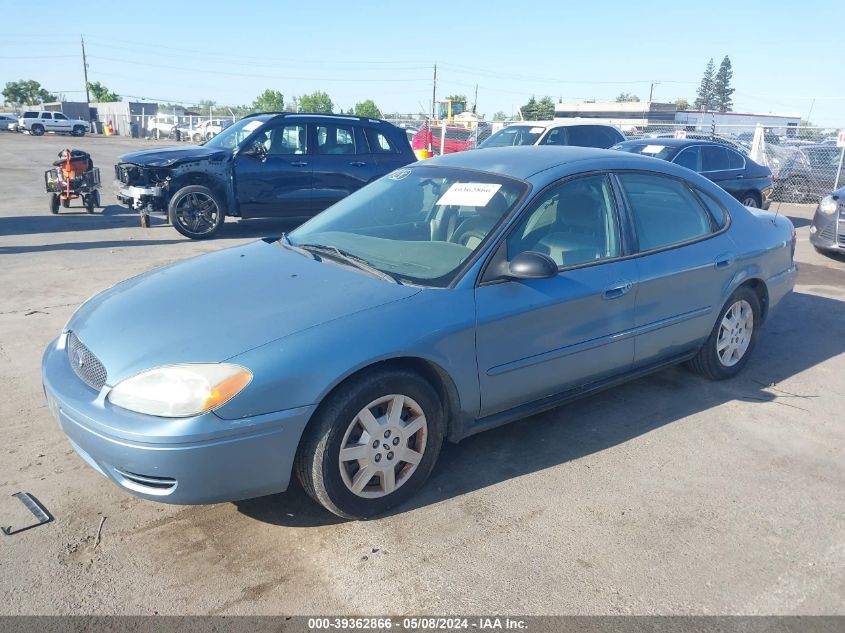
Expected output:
{"points": [[30, 115], [655, 150], [593, 136], [378, 142], [514, 135]]}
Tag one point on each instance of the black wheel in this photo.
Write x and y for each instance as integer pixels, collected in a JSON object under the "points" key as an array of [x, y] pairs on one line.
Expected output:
{"points": [[78, 130], [145, 221], [54, 203], [196, 212], [732, 340], [66, 203], [37, 130], [372, 444], [750, 199], [89, 203]]}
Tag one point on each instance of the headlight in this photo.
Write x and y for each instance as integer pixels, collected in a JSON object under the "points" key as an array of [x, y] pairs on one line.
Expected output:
{"points": [[828, 205], [178, 391]]}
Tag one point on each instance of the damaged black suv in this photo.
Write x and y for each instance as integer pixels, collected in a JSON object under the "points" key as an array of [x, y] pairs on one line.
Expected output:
{"points": [[272, 165]]}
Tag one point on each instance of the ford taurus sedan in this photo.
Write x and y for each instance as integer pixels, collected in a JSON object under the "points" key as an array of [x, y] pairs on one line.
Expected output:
{"points": [[446, 298]]}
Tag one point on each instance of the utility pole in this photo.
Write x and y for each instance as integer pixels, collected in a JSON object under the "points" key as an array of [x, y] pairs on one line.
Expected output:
{"points": [[434, 93], [85, 70], [475, 100]]}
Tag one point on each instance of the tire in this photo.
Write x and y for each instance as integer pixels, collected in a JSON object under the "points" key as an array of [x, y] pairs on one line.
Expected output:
{"points": [[89, 203], [78, 130], [197, 138], [338, 423], [196, 212], [54, 203], [750, 199], [714, 364], [37, 130], [66, 203]]}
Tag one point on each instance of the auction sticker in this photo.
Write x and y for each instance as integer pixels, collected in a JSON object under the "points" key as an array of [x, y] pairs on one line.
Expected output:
{"points": [[469, 194], [653, 149]]}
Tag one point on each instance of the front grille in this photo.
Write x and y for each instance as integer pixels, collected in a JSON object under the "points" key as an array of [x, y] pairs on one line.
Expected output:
{"points": [[827, 233], [85, 365]]}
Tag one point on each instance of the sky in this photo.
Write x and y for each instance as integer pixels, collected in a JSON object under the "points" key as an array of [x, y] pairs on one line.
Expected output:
{"points": [[786, 57]]}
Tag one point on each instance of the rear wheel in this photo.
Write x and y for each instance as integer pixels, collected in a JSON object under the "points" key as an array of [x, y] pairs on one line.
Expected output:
{"points": [[732, 340], [66, 203], [78, 130], [91, 202], [54, 203], [372, 444], [750, 199], [196, 212], [37, 130]]}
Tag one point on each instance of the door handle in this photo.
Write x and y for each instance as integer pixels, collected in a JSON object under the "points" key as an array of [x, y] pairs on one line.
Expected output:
{"points": [[618, 289], [740, 176], [723, 261], [299, 163], [357, 163]]}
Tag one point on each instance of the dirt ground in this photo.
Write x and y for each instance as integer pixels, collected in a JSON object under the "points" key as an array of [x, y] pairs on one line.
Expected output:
{"points": [[670, 495]]}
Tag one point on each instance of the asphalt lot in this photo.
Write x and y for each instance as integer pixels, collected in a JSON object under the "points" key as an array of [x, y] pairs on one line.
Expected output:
{"points": [[670, 495]]}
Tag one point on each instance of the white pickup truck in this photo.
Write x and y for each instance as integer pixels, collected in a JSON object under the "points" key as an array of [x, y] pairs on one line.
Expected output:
{"points": [[37, 122]]}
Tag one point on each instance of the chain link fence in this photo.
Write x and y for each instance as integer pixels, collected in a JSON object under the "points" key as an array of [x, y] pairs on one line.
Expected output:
{"points": [[195, 129]]}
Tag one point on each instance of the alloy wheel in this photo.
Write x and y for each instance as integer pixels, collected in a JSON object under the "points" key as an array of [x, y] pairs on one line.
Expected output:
{"points": [[735, 333], [197, 212], [383, 445]]}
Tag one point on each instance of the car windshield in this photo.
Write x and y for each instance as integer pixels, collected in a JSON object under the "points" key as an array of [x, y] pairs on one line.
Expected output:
{"points": [[655, 150], [236, 133], [417, 224], [514, 135]]}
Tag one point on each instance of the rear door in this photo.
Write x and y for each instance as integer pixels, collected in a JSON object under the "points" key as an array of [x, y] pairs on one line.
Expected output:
{"points": [[280, 184], [686, 261], [725, 167], [342, 162], [385, 153], [46, 119]]}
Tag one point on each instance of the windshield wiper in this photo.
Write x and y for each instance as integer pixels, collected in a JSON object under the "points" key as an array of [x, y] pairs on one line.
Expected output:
{"points": [[358, 262], [286, 243]]}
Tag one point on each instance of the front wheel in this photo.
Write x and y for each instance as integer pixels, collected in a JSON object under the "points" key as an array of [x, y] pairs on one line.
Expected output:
{"points": [[78, 130], [54, 203], [750, 199], [729, 345], [372, 444], [37, 130], [196, 212]]}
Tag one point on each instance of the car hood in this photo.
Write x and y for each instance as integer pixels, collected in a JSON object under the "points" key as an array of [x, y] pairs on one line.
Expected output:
{"points": [[216, 306], [168, 156]]}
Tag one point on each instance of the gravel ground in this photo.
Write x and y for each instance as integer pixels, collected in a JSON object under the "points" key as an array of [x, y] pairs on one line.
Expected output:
{"points": [[670, 495]]}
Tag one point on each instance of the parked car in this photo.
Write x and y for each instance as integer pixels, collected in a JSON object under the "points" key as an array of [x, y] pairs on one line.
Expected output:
{"points": [[827, 232], [449, 297], [8, 122], [735, 144], [38, 122], [162, 126], [458, 139], [558, 132], [206, 130], [263, 166], [807, 174], [737, 174]]}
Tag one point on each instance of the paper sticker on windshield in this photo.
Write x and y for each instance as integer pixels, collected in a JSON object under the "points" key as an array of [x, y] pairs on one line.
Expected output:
{"points": [[536, 130], [653, 149], [399, 174], [249, 127], [469, 194]]}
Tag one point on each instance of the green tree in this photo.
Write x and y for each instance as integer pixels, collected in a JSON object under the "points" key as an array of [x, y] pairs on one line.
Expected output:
{"points": [[368, 109], [706, 90], [100, 94], [26, 92], [529, 110], [269, 101], [456, 98], [625, 97], [722, 90], [317, 101], [682, 104], [500, 116], [545, 109]]}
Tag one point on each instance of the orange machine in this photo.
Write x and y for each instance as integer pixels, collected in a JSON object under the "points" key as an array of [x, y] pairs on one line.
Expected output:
{"points": [[73, 176]]}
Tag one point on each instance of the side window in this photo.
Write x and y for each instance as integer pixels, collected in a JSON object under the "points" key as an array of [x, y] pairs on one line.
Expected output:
{"points": [[557, 136], [59, 116], [30, 115], [378, 142], [713, 158], [583, 136], [689, 157], [720, 216], [47, 115], [735, 161], [573, 222], [335, 139], [286, 140], [665, 211]]}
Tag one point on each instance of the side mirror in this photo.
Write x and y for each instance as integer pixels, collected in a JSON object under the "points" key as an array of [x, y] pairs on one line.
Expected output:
{"points": [[257, 150], [531, 265]]}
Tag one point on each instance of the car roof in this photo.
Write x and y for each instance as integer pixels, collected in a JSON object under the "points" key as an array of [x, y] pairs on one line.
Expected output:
{"points": [[561, 123], [266, 116], [524, 161], [673, 142]]}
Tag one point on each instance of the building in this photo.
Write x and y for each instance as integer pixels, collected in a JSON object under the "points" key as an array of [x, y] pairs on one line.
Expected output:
{"points": [[627, 115], [782, 124], [123, 113]]}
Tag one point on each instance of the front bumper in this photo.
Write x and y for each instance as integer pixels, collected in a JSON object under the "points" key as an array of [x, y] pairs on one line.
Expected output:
{"points": [[828, 231], [136, 197], [204, 459]]}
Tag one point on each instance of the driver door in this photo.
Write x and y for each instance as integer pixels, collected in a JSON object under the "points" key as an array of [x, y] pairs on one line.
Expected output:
{"points": [[60, 122], [278, 182]]}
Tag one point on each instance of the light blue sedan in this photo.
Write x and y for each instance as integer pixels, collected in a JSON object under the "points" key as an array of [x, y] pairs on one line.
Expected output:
{"points": [[448, 297]]}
